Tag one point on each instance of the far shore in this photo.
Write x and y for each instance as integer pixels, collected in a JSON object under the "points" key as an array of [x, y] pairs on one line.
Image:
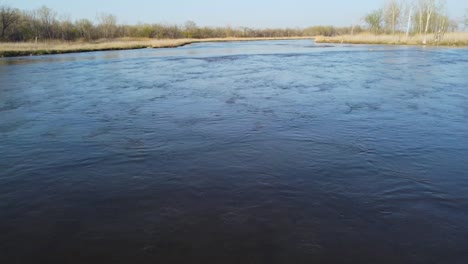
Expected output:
{"points": [[453, 39], [16, 49]]}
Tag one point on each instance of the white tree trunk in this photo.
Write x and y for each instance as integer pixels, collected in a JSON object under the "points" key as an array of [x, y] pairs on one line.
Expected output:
{"points": [[409, 23], [429, 13], [408, 27], [421, 12]]}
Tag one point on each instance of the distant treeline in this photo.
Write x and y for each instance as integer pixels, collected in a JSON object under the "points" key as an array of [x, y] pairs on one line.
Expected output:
{"points": [[45, 24], [397, 16], [412, 16]]}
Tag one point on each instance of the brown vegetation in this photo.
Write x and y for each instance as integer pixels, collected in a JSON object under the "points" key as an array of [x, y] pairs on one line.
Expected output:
{"points": [[11, 49], [450, 39], [45, 24], [42, 31]]}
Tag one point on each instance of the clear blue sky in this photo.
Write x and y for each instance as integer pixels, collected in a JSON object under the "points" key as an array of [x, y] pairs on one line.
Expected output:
{"points": [[252, 13]]}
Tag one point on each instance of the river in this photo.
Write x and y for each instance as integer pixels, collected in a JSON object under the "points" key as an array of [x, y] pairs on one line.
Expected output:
{"points": [[242, 152]]}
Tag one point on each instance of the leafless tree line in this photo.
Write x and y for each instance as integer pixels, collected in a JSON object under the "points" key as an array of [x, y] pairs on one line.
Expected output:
{"points": [[408, 17], [398, 17], [45, 24]]}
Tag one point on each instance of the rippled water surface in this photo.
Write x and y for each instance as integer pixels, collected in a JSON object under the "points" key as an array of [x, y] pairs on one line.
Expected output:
{"points": [[252, 152]]}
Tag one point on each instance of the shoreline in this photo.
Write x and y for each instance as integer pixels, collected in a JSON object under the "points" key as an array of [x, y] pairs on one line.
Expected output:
{"points": [[22, 49], [453, 40]]}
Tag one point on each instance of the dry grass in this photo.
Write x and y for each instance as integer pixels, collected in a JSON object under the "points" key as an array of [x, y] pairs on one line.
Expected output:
{"points": [[10, 49], [450, 39]]}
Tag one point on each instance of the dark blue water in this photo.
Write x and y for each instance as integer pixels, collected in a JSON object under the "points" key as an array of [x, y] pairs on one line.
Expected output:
{"points": [[254, 152]]}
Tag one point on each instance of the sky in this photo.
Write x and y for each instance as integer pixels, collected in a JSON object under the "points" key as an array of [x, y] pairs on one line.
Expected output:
{"points": [[250, 13]]}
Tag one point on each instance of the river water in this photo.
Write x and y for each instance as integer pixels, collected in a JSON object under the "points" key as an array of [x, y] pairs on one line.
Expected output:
{"points": [[243, 152]]}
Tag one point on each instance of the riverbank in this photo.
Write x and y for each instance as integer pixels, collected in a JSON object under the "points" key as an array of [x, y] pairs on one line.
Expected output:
{"points": [[457, 39], [15, 49]]}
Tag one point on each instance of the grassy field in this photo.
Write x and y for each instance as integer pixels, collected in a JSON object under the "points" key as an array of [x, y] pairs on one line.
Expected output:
{"points": [[450, 39], [12, 49]]}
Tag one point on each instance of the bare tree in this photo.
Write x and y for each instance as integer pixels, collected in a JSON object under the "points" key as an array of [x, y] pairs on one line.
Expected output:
{"points": [[435, 19], [409, 7], [426, 9], [8, 16], [108, 25], [229, 31], [190, 29], [32, 23], [374, 20], [85, 29], [47, 18], [392, 14], [421, 11], [429, 10], [441, 21], [354, 25], [67, 28]]}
